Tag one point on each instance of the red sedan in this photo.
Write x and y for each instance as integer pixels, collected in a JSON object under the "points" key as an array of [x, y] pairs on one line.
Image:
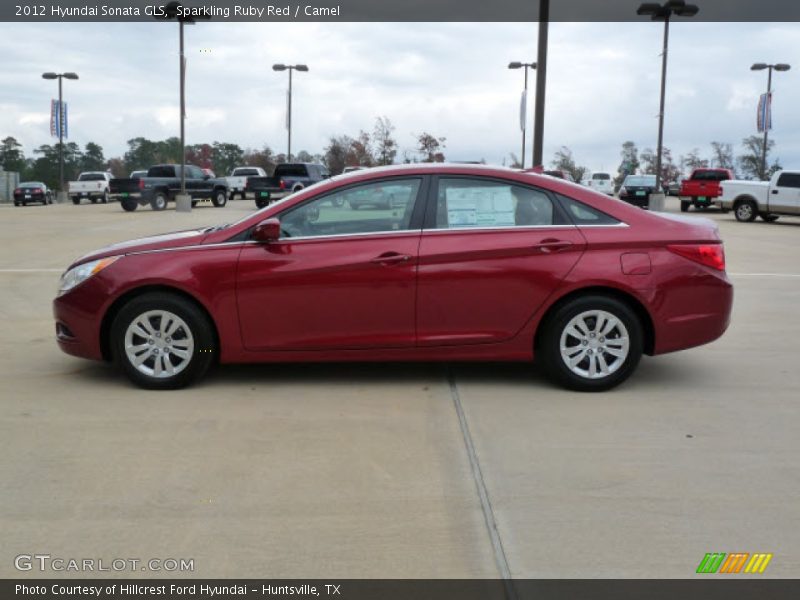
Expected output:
{"points": [[465, 263]]}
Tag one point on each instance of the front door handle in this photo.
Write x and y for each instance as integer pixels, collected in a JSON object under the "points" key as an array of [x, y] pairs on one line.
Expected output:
{"points": [[391, 258], [774, 191], [550, 245]]}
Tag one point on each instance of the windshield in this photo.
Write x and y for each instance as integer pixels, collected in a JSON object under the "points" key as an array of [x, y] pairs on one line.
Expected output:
{"points": [[241, 172], [601, 176], [643, 180], [31, 184]]}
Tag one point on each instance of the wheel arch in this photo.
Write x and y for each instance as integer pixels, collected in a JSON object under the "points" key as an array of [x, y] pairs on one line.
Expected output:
{"points": [[744, 198], [648, 328], [116, 306]]}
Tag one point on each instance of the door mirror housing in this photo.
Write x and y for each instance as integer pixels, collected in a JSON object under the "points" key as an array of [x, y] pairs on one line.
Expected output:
{"points": [[268, 230]]}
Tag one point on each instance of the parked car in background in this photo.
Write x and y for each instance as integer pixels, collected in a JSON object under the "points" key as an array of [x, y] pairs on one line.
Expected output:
{"points": [[92, 185], [702, 188], [351, 169], [672, 188], [766, 199], [32, 191], [636, 189], [287, 178], [163, 182], [237, 181], [600, 182], [137, 174], [475, 264]]}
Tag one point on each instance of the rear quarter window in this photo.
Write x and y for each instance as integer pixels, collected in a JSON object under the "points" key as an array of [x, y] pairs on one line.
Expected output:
{"points": [[582, 214]]}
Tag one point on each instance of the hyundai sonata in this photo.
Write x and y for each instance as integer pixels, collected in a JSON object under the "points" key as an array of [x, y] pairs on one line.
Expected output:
{"points": [[467, 263]]}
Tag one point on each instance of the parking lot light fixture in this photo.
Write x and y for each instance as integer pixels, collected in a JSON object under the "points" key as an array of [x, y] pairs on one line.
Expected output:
{"points": [[663, 12], [60, 77], [290, 68], [769, 68], [524, 102]]}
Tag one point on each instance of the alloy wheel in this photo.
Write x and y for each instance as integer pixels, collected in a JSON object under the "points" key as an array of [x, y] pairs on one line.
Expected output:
{"points": [[594, 344]]}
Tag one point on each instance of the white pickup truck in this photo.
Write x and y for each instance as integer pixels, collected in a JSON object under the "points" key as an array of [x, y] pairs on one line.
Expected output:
{"points": [[237, 181], [766, 199], [92, 185]]}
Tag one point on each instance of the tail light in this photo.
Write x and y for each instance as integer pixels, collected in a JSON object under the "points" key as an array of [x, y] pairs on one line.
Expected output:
{"points": [[18, 191], [710, 255], [141, 184], [38, 191], [283, 184]]}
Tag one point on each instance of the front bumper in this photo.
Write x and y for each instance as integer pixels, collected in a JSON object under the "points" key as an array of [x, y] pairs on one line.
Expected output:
{"points": [[78, 315]]}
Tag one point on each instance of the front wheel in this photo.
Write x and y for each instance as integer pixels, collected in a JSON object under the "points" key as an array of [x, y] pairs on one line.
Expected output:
{"points": [[162, 341], [220, 198], [158, 201], [591, 343], [769, 218], [76, 200], [745, 211], [104, 199]]}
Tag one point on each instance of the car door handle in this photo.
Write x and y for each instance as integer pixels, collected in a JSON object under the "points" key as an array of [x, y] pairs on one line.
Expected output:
{"points": [[774, 191], [550, 245], [390, 258]]}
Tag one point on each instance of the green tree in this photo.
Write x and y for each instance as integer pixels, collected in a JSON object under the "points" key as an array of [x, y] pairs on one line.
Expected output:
{"points": [[304, 156], [264, 158], [11, 155], [429, 147], [384, 142], [564, 161], [226, 157], [749, 160], [629, 164], [694, 161], [336, 153], [92, 158]]}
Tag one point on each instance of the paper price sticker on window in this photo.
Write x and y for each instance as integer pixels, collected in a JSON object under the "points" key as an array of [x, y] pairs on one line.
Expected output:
{"points": [[480, 207]]}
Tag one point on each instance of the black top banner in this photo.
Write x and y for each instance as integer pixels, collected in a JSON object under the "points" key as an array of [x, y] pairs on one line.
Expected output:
{"points": [[389, 10]]}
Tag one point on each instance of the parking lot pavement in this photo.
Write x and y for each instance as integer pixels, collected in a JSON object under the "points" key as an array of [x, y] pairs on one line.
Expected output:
{"points": [[361, 470]]}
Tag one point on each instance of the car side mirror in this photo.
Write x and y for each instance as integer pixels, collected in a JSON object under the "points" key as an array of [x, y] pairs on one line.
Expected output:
{"points": [[268, 230]]}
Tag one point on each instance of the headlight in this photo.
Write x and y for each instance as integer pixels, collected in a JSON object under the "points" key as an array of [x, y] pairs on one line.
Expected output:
{"points": [[81, 273]]}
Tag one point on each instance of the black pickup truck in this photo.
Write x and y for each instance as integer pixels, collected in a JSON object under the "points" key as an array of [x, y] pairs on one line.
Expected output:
{"points": [[163, 182], [287, 178]]}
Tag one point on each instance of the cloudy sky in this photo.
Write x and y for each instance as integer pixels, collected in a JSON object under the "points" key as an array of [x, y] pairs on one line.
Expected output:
{"points": [[449, 79]]}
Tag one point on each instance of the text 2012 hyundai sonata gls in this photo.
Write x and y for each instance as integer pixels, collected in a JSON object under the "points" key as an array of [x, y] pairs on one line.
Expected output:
{"points": [[468, 263]]}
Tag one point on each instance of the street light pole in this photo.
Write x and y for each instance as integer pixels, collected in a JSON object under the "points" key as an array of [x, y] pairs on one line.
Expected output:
{"points": [[61, 113], [767, 107], [290, 68], [658, 13], [183, 110], [524, 104], [541, 81]]}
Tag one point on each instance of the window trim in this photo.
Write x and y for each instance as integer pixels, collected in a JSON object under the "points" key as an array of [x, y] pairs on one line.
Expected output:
{"points": [[433, 197]]}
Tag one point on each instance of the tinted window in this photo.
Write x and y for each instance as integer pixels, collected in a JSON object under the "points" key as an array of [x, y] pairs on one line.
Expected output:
{"points": [[789, 180], [194, 172], [581, 214], [367, 208], [291, 171], [710, 175], [92, 177], [640, 180], [601, 176], [32, 184], [473, 203], [245, 172], [164, 171]]}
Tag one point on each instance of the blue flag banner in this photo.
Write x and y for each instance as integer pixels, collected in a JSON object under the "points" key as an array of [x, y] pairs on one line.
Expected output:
{"points": [[58, 119], [764, 116]]}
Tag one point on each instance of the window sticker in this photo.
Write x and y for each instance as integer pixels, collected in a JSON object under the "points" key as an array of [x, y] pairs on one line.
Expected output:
{"points": [[483, 206]]}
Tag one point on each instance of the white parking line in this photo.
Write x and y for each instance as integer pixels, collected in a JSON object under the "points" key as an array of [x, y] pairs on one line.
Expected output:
{"points": [[31, 270], [764, 274]]}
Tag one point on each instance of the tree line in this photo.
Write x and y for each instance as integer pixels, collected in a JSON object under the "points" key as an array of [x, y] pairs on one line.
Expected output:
{"points": [[746, 165], [366, 149]]}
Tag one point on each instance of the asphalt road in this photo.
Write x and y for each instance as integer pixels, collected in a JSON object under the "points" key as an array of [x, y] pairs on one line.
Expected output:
{"points": [[363, 470]]}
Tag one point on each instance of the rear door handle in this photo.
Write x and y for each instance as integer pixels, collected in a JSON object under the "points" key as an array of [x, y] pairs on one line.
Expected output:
{"points": [[550, 245], [391, 258]]}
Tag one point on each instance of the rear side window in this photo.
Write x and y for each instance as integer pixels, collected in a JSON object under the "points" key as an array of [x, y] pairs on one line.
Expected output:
{"points": [[92, 177], [710, 176], [791, 180], [582, 214], [601, 176], [163, 171], [475, 203], [291, 171]]}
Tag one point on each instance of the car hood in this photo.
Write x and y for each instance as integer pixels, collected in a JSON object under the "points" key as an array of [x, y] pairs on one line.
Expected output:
{"points": [[176, 239]]}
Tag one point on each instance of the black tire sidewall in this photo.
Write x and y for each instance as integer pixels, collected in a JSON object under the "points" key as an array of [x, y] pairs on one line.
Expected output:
{"points": [[193, 316], [549, 352], [154, 203], [220, 198]]}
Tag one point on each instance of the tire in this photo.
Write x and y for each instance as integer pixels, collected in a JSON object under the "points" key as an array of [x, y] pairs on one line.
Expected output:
{"points": [[158, 201], [190, 352], [76, 200], [194, 203], [220, 198], [685, 204], [745, 211], [768, 218], [262, 202], [244, 195], [16, 203], [297, 188], [129, 204], [104, 199], [587, 310], [93, 200]]}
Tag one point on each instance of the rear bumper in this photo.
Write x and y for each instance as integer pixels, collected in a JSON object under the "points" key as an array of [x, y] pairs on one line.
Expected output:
{"points": [[640, 201]]}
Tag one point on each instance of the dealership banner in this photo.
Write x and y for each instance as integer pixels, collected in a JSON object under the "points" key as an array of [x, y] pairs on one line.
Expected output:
{"points": [[743, 11], [58, 119], [764, 116], [406, 589]]}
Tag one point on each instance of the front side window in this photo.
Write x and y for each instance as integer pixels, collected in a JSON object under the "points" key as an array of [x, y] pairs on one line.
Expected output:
{"points": [[368, 208], [472, 203], [789, 180]]}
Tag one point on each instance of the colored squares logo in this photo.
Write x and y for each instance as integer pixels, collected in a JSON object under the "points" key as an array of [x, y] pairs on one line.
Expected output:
{"points": [[736, 562]]}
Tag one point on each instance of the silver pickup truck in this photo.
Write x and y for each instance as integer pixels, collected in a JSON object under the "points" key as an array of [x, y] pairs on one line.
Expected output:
{"points": [[766, 199]]}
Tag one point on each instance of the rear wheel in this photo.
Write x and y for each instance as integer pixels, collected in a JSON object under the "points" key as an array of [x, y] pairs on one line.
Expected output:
{"points": [[128, 204], [262, 202], [93, 200], [162, 341], [768, 217], [105, 198], [158, 201], [76, 200], [220, 198], [745, 211], [591, 343], [685, 204], [194, 203]]}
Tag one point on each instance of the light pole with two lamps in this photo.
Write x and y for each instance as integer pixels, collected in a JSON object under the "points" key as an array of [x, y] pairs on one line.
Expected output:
{"points": [[290, 68], [767, 108], [524, 102], [61, 111]]}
